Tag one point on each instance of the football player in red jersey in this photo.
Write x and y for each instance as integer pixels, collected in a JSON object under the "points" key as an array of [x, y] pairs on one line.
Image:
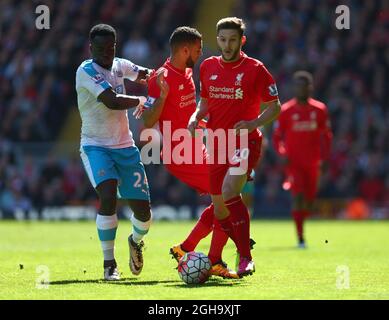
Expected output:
{"points": [[233, 86], [303, 136], [171, 101]]}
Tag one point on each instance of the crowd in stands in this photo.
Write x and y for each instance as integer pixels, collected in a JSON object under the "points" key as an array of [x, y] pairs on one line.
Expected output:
{"points": [[350, 68], [351, 73]]}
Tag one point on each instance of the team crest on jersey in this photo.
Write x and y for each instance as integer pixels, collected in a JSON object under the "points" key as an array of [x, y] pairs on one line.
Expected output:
{"points": [[238, 81], [98, 78], [273, 90], [313, 115], [295, 117]]}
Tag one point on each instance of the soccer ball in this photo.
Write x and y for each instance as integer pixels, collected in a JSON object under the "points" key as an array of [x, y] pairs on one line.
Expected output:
{"points": [[194, 267]]}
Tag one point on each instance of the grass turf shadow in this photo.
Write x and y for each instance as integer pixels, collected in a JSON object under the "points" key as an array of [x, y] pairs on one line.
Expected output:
{"points": [[124, 281], [135, 281], [212, 283]]}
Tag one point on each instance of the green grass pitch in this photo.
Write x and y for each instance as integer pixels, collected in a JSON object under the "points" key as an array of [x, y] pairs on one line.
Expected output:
{"points": [[352, 264]]}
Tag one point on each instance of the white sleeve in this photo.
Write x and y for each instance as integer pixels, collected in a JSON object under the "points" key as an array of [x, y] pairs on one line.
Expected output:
{"points": [[91, 80], [130, 70]]}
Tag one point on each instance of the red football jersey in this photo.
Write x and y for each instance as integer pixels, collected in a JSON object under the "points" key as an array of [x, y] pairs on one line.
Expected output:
{"points": [[303, 132], [235, 90], [180, 103]]}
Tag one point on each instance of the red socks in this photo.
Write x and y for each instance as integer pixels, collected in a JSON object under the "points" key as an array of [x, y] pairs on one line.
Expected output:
{"points": [[219, 240], [299, 216], [236, 226], [240, 222], [226, 226], [202, 228]]}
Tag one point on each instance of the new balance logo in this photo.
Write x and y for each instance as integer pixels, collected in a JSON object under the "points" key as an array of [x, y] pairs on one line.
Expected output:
{"points": [[213, 77], [181, 87], [239, 93]]}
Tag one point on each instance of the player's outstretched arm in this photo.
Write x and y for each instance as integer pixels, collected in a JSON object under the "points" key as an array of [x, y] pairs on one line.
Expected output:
{"points": [[153, 110], [143, 75], [272, 110], [115, 101], [198, 115]]}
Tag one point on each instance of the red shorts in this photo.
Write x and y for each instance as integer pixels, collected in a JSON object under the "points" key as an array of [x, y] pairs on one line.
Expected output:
{"points": [[217, 172], [194, 175], [302, 179]]}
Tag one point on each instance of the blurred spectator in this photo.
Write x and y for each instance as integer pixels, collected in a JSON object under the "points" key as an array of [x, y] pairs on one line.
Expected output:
{"points": [[137, 48], [351, 73]]}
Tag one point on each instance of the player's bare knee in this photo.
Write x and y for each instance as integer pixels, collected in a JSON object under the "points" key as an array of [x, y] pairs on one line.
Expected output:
{"points": [[143, 215], [220, 211], [229, 192], [107, 196], [108, 204], [141, 209], [298, 202]]}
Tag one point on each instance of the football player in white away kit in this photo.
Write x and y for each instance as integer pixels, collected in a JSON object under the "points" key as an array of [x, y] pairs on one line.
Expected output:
{"points": [[110, 157]]}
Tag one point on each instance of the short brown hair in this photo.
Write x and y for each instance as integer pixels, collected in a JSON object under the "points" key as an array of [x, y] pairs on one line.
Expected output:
{"points": [[183, 35], [231, 23], [305, 75]]}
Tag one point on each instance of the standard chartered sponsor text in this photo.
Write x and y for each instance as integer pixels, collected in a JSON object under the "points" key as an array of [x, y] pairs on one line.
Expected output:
{"points": [[221, 92]]}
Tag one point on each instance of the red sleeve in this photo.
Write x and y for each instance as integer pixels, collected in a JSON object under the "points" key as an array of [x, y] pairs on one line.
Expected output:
{"points": [[267, 84], [203, 88], [153, 91], [278, 135], [326, 131]]}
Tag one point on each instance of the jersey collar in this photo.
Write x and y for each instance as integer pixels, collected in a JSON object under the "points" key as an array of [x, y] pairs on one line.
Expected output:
{"points": [[169, 65], [232, 65], [110, 69]]}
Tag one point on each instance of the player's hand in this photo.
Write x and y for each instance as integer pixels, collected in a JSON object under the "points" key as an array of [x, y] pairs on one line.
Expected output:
{"points": [[145, 81], [138, 111], [162, 84], [140, 108], [249, 125]]}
